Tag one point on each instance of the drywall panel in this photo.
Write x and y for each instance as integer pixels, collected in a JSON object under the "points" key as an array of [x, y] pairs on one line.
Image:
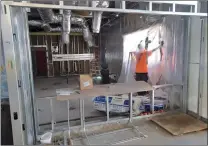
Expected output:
{"points": [[193, 87], [195, 40]]}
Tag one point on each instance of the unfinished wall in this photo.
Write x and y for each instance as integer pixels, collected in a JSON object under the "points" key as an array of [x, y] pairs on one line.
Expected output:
{"points": [[134, 28], [197, 75], [77, 46], [204, 75], [194, 62]]}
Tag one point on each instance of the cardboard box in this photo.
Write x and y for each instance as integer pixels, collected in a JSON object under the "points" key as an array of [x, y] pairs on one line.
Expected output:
{"points": [[85, 82]]}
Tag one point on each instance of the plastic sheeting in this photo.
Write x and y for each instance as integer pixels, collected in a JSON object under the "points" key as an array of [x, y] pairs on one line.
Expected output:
{"points": [[170, 69], [4, 85], [167, 70], [24, 70]]}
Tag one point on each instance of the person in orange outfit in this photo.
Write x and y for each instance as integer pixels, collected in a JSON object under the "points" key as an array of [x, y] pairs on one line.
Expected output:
{"points": [[141, 73]]}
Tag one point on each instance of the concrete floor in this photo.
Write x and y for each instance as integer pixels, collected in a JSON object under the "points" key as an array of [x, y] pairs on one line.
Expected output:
{"points": [[155, 136], [46, 87]]}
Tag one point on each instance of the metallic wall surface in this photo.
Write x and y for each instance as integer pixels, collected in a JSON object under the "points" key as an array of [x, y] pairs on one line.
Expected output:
{"points": [[24, 69], [118, 45], [112, 46]]}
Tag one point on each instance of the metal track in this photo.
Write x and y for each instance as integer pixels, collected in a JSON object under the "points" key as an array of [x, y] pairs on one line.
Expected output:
{"points": [[68, 57], [194, 7]]}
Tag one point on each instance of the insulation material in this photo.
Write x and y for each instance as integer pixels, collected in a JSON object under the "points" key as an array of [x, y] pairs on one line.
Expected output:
{"points": [[97, 16], [48, 16], [169, 70], [66, 24]]}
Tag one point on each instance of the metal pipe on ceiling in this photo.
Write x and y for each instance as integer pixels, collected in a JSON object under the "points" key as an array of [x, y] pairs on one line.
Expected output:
{"points": [[66, 26], [97, 15], [86, 31], [48, 17]]}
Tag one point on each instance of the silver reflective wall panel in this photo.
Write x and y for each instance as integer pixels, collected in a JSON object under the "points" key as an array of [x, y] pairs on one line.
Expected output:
{"points": [[121, 39], [169, 70], [23, 63], [12, 77]]}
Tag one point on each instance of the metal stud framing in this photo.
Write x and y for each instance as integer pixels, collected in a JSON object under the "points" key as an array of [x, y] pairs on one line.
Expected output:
{"points": [[172, 10], [12, 78], [10, 56]]}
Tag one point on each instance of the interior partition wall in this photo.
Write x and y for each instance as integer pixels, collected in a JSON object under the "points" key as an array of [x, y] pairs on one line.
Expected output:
{"points": [[18, 62]]}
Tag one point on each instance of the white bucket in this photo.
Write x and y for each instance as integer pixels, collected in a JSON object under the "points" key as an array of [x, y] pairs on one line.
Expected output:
{"points": [[46, 138]]}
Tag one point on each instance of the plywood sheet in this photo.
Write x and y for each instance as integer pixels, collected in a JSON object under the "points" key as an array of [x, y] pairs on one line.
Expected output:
{"points": [[108, 89], [179, 124]]}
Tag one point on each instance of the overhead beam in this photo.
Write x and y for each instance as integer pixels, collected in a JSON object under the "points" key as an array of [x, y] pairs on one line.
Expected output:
{"points": [[53, 33], [36, 5]]}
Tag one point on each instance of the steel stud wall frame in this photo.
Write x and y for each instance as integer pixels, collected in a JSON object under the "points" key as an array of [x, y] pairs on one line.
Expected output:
{"points": [[20, 86], [194, 7], [12, 77]]}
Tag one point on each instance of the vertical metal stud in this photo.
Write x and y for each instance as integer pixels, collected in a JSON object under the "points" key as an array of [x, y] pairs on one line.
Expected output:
{"points": [[201, 70], [107, 108], [68, 114], [52, 115], [173, 7], [150, 6], [130, 107], [123, 4], [153, 101], [82, 118]]}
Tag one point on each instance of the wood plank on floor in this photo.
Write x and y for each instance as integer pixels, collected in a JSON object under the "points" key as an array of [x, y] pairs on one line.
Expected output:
{"points": [[179, 124]]}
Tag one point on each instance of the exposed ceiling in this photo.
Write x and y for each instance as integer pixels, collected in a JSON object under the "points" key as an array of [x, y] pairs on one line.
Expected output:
{"points": [[34, 15]]}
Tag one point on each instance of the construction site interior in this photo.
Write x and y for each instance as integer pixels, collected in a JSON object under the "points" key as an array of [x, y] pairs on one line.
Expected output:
{"points": [[65, 44]]}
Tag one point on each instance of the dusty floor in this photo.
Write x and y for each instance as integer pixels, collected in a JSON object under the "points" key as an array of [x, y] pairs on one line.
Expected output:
{"points": [[155, 136], [46, 87]]}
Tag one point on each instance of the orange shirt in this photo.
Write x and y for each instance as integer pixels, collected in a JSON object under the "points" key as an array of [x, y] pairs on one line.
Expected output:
{"points": [[141, 63]]}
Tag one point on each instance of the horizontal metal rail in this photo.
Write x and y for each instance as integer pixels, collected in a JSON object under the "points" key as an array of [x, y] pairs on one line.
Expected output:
{"points": [[109, 120], [118, 10], [68, 57]]}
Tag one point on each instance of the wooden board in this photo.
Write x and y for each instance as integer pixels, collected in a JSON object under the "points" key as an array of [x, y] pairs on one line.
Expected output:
{"points": [[108, 89], [179, 124]]}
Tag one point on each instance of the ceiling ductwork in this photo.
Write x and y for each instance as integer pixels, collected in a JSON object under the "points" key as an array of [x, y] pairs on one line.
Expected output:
{"points": [[97, 16], [48, 17], [86, 31], [66, 25]]}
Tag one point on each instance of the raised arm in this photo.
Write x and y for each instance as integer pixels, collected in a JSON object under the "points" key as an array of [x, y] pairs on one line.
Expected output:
{"points": [[155, 49], [159, 47]]}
